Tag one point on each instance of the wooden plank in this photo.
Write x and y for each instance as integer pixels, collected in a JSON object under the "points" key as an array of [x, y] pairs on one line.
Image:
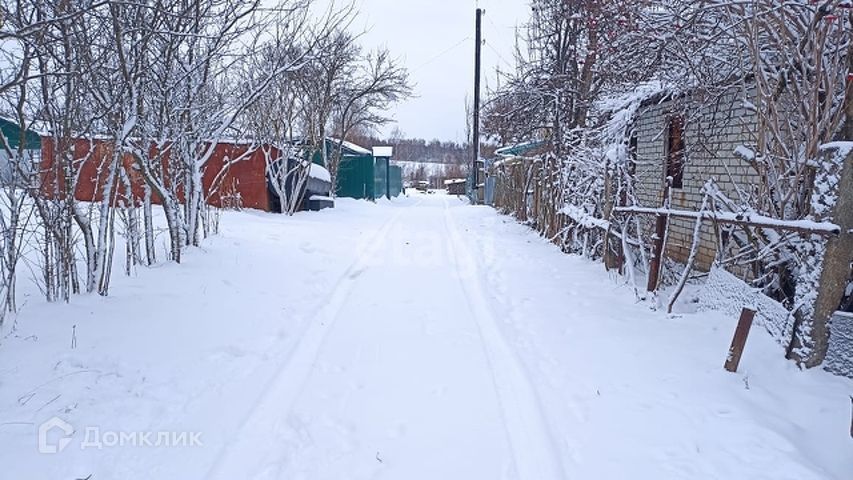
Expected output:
{"points": [[739, 340]]}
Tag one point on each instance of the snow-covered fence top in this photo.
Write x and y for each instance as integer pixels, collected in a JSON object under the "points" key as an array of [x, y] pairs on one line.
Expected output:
{"points": [[745, 218], [584, 218]]}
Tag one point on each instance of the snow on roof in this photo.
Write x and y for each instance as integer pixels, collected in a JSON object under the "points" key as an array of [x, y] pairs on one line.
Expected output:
{"points": [[622, 108], [518, 148], [383, 152], [351, 146], [320, 173], [452, 181], [11, 130]]}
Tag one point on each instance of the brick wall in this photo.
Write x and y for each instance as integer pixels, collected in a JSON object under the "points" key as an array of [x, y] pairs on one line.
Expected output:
{"points": [[712, 132]]}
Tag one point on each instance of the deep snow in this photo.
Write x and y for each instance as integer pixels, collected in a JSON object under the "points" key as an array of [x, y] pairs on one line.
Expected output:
{"points": [[418, 338]]}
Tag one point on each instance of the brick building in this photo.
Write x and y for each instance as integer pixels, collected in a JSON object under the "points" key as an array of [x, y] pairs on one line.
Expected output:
{"points": [[693, 146]]}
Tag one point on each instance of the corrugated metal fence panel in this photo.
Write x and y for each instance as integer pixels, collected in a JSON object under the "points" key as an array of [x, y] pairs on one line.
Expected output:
{"points": [[490, 190], [356, 177], [379, 177], [12, 132], [396, 180]]}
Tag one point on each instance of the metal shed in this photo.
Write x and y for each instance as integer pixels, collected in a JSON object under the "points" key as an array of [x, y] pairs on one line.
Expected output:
{"points": [[12, 141]]}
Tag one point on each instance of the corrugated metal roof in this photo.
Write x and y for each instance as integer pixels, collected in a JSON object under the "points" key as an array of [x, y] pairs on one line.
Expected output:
{"points": [[12, 132], [518, 149]]}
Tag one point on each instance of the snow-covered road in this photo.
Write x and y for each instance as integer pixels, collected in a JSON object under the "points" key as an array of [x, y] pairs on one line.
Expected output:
{"points": [[416, 339], [402, 373]]}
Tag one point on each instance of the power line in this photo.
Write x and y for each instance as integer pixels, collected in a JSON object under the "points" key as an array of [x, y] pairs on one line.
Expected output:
{"points": [[443, 53], [488, 19], [496, 52], [493, 49]]}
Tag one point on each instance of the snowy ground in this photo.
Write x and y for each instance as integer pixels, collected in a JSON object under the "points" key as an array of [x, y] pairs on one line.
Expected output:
{"points": [[416, 339]]}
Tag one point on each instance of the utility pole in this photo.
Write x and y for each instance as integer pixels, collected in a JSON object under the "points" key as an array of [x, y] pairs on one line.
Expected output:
{"points": [[476, 134]]}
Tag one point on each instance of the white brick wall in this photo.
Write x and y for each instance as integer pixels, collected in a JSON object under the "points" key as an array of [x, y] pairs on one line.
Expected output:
{"points": [[712, 132]]}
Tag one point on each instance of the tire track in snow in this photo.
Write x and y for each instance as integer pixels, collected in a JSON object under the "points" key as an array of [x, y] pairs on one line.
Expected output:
{"points": [[529, 437], [253, 445]]}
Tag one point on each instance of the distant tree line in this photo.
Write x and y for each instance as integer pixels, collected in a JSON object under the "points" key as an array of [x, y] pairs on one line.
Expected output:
{"points": [[417, 149]]}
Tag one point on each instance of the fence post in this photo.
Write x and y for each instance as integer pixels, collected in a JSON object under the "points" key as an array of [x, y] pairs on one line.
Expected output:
{"points": [[834, 263], [659, 247], [739, 340]]}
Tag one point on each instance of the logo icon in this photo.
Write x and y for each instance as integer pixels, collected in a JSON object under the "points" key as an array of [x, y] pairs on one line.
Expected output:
{"points": [[54, 435]]}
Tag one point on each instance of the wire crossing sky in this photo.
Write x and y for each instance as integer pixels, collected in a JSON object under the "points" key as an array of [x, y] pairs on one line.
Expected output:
{"points": [[435, 40]]}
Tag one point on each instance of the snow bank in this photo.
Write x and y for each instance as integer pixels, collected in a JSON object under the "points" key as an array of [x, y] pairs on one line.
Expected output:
{"points": [[725, 293], [300, 342], [634, 393]]}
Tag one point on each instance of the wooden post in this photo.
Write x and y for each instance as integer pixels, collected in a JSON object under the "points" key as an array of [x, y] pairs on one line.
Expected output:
{"points": [[739, 340], [660, 232], [611, 259], [475, 139]]}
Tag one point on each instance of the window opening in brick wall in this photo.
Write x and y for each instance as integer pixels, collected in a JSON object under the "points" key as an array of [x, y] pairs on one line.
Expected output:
{"points": [[675, 151]]}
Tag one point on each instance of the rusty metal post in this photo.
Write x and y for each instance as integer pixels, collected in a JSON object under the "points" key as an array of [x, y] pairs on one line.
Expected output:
{"points": [[659, 247], [739, 340]]}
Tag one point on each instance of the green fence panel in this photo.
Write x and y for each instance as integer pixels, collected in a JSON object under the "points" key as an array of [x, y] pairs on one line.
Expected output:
{"points": [[12, 132], [379, 177], [356, 177], [396, 181]]}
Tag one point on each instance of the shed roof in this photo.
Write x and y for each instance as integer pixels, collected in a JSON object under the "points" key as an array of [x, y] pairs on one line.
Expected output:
{"points": [[518, 149], [351, 148], [12, 131]]}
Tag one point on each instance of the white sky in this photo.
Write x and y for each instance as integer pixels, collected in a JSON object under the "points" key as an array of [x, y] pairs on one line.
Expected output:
{"points": [[435, 40]]}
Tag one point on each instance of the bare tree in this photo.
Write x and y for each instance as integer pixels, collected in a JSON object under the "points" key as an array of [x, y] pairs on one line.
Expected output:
{"points": [[375, 85]]}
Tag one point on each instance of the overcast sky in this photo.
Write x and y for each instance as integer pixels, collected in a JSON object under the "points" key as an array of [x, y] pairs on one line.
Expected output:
{"points": [[435, 40]]}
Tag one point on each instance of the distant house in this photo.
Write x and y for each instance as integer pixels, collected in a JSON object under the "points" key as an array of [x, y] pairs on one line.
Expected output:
{"points": [[455, 186]]}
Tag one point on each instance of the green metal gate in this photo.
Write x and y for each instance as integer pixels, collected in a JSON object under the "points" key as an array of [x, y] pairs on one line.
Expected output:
{"points": [[356, 177], [394, 175]]}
